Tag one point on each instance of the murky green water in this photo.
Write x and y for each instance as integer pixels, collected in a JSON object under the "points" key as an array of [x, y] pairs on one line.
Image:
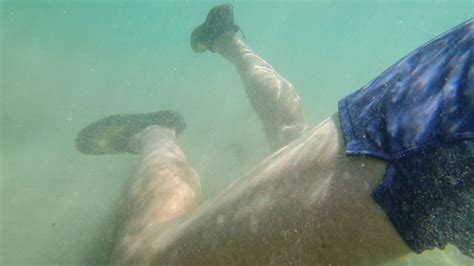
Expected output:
{"points": [[65, 64]]}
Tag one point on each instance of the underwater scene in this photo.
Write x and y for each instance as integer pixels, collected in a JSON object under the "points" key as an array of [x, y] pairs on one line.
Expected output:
{"points": [[66, 64]]}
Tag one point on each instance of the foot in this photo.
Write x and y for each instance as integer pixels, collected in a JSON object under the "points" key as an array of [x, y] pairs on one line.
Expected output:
{"points": [[111, 135], [220, 20]]}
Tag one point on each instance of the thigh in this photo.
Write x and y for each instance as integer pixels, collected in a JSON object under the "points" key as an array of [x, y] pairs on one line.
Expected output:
{"points": [[307, 203]]}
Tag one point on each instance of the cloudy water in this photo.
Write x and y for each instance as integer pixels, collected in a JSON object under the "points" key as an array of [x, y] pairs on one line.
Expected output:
{"points": [[65, 64]]}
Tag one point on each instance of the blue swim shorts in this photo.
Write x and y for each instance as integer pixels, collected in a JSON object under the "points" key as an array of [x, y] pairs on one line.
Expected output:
{"points": [[419, 116]]}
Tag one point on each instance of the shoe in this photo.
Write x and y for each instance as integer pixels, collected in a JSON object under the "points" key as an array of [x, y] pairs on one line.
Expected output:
{"points": [[220, 19], [111, 135]]}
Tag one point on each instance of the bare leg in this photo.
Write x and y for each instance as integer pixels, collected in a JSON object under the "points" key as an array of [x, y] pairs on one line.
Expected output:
{"points": [[307, 204], [273, 98], [163, 187]]}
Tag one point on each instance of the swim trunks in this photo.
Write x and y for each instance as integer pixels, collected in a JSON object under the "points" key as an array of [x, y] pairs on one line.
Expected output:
{"points": [[419, 116]]}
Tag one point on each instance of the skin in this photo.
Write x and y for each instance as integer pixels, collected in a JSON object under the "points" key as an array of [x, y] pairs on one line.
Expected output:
{"points": [[307, 203], [162, 188], [272, 97]]}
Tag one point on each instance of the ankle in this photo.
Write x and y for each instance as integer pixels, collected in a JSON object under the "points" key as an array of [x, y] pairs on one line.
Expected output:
{"points": [[229, 46], [151, 136]]}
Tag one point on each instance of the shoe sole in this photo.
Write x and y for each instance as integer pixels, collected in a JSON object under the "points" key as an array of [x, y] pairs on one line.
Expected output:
{"points": [[111, 135], [219, 20]]}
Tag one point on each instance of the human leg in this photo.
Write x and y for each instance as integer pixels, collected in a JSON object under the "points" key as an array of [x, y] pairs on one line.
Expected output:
{"points": [[162, 188], [308, 203], [295, 207], [273, 98], [311, 203]]}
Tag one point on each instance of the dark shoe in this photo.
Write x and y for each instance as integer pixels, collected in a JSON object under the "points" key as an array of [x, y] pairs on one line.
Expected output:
{"points": [[220, 19], [111, 135]]}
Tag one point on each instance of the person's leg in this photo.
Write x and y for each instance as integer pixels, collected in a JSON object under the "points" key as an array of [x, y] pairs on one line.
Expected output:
{"points": [[308, 203], [293, 206], [273, 98], [311, 203], [162, 188]]}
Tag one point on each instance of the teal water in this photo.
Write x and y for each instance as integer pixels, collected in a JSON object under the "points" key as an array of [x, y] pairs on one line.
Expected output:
{"points": [[65, 64]]}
